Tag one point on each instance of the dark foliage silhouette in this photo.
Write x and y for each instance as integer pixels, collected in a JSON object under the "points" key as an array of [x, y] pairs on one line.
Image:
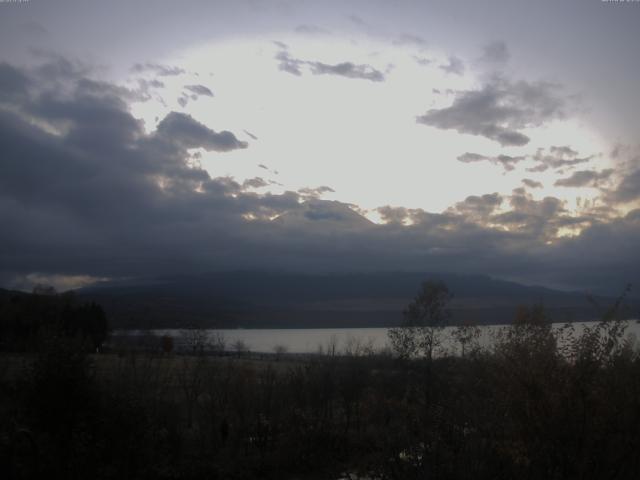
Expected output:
{"points": [[541, 403]]}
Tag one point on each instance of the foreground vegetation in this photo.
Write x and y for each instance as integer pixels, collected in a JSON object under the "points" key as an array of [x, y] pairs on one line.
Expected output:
{"points": [[533, 406]]}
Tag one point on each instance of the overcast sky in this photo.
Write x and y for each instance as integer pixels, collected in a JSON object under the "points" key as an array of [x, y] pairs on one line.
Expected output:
{"points": [[155, 137]]}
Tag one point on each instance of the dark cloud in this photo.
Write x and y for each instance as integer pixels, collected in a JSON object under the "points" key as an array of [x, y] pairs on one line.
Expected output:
{"points": [[158, 69], [193, 92], [539, 219], [478, 208], [119, 201], [495, 52], [292, 65], [318, 215], [628, 189], [622, 152], [507, 162], [256, 182], [531, 183], [584, 178], [556, 157], [455, 66], [625, 185], [315, 192], [149, 84], [422, 60], [472, 157], [57, 68], [199, 90], [13, 84], [517, 236], [564, 151], [499, 110], [601, 257], [288, 64], [68, 78], [347, 69], [182, 130], [541, 167], [393, 215]]}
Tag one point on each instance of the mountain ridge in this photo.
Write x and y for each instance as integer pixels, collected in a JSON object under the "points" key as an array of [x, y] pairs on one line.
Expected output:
{"points": [[292, 300]]}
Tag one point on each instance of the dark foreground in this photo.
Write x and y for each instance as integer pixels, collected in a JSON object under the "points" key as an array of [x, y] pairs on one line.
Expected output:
{"points": [[524, 410]]}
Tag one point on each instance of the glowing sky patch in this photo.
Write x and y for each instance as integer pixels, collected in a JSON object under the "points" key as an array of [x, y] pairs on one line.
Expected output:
{"points": [[357, 136]]}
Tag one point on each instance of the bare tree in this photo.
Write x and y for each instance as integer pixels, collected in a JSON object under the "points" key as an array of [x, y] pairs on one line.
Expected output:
{"points": [[357, 347], [424, 319], [195, 340], [218, 342], [467, 335], [240, 346]]}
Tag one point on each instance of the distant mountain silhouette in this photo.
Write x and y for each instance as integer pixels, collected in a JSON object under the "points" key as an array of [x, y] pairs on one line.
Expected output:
{"points": [[289, 300]]}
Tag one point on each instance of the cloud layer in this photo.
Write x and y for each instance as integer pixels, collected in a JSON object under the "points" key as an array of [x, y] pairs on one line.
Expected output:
{"points": [[86, 192], [499, 110]]}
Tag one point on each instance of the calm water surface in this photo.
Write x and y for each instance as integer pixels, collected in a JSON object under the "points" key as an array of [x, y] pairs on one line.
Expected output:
{"points": [[313, 340]]}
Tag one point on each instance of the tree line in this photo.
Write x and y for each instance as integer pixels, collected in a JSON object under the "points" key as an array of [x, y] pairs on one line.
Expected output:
{"points": [[540, 403], [27, 320]]}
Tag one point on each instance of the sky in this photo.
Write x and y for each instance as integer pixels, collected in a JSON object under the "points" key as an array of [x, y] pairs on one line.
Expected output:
{"points": [[150, 138]]}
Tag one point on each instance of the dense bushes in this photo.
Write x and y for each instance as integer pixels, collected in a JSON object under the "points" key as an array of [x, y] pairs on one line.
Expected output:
{"points": [[29, 319], [540, 404]]}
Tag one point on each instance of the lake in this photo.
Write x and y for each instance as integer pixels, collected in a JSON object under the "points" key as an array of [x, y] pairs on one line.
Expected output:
{"points": [[315, 340]]}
